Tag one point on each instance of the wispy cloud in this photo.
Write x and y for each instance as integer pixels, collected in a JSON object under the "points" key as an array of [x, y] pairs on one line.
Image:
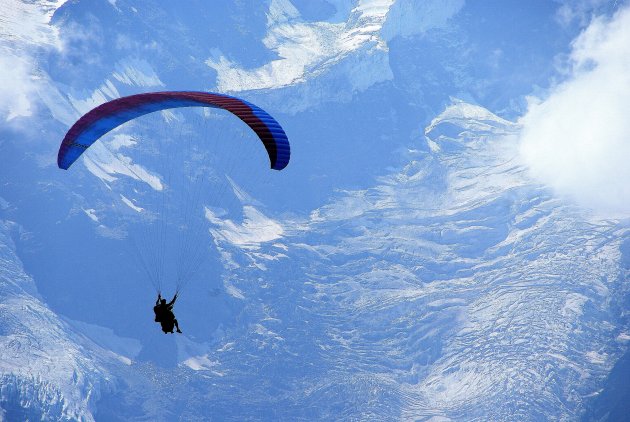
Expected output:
{"points": [[24, 28], [16, 87], [578, 138], [580, 10]]}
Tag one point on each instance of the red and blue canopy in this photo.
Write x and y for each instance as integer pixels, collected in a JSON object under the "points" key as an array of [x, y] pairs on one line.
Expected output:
{"points": [[112, 114]]}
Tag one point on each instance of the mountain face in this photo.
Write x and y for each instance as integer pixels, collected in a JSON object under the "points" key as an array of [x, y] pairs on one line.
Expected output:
{"points": [[453, 288], [49, 372], [405, 265]]}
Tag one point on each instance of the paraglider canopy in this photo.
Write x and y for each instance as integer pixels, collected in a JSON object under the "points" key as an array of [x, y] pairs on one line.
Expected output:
{"points": [[173, 223], [112, 114]]}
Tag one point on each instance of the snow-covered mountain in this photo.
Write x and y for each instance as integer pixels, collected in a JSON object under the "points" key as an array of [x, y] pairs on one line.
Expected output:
{"points": [[405, 265], [455, 287], [49, 372]]}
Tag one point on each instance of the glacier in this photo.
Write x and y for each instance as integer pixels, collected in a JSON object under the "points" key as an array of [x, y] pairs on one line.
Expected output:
{"points": [[407, 265]]}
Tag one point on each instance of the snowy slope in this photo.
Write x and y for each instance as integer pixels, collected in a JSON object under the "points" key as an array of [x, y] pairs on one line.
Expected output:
{"points": [[48, 371], [456, 288]]}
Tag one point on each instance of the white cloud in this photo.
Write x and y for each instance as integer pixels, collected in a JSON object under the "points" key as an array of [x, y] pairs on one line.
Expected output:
{"points": [[578, 138], [578, 10], [16, 87], [24, 28]]}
